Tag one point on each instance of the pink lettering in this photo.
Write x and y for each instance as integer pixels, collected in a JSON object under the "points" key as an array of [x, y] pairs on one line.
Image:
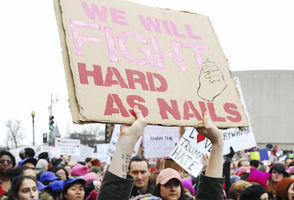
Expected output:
{"points": [[197, 48], [78, 39], [122, 39], [190, 33], [175, 30], [109, 38], [149, 24], [117, 16], [102, 14]]}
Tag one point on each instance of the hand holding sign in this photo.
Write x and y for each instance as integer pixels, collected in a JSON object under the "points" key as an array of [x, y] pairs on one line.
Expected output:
{"points": [[129, 134], [137, 128], [215, 162], [211, 81], [210, 130]]}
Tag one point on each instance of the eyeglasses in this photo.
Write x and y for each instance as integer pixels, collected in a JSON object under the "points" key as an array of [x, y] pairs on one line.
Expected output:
{"points": [[2, 162]]}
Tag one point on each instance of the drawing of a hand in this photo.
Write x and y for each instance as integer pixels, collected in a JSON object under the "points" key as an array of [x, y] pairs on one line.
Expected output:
{"points": [[211, 81]]}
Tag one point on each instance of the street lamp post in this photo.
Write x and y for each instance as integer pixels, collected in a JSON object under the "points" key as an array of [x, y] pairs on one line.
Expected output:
{"points": [[33, 123]]}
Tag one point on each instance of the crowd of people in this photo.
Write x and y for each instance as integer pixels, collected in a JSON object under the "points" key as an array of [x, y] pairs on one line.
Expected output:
{"points": [[127, 177]]}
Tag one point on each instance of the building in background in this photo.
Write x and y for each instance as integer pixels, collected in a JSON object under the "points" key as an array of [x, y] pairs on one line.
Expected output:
{"points": [[269, 97]]}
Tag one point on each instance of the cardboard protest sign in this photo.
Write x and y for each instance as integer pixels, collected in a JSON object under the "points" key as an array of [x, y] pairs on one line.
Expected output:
{"points": [[159, 141], [118, 54], [114, 139], [102, 153], [189, 151], [66, 146]]}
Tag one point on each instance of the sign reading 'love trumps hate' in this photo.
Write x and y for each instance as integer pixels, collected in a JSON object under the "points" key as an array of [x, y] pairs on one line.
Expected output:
{"points": [[118, 54]]}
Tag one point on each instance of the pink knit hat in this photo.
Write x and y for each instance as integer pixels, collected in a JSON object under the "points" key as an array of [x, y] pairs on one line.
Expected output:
{"points": [[258, 177], [91, 177], [187, 183], [291, 170], [241, 170], [79, 170]]}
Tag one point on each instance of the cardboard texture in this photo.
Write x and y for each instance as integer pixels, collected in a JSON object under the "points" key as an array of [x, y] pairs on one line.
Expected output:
{"points": [[118, 54]]}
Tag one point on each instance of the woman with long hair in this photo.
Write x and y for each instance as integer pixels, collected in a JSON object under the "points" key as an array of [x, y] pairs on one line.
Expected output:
{"points": [[23, 188]]}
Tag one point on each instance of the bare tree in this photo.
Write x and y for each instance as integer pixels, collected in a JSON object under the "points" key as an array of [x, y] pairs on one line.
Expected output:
{"points": [[15, 133]]}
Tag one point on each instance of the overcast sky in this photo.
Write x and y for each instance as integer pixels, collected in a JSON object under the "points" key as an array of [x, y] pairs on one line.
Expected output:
{"points": [[254, 35]]}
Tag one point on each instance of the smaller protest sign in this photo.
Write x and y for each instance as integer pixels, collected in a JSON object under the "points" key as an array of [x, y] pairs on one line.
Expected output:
{"points": [[102, 153], [238, 139], [114, 139], [45, 148], [66, 146], [254, 155], [85, 151], [189, 151], [263, 154], [159, 137]]}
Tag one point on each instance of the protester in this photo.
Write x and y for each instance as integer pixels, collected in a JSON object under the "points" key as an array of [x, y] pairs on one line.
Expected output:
{"points": [[187, 184], [79, 171], [30, 162], [29, 152], [7, 161], [285, 189], [243, 162], [48, 177], [23, 170], [61, 173], [258, 177], [116, 185], [23, 188], [278, 172], [169, 186], [74, 189], [254, 192], [237, 188], [139, 170], [254, 163], [42, 164]]}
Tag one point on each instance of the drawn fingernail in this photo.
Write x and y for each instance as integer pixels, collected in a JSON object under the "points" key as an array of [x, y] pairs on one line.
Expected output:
{"points": [[206, 70], [207, 76]]}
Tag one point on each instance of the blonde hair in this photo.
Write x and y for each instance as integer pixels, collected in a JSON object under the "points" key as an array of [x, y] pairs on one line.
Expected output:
{"points": [[237, 188]]}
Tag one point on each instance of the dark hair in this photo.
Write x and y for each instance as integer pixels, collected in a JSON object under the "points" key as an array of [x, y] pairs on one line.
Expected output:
{"points": [[15, 185], [7, 153], [254, 163], [29, 152], [58, 168], [157, 191], [88, 159], [43, 155], [138, 158], [15, 172], [56, 162]]}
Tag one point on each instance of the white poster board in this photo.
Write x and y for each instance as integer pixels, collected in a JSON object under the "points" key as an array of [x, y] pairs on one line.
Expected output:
{"points": [[66, 146], [114, 139], [102, 153], [159, 141], [189, 151], [85, 152], [46, 148]]}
